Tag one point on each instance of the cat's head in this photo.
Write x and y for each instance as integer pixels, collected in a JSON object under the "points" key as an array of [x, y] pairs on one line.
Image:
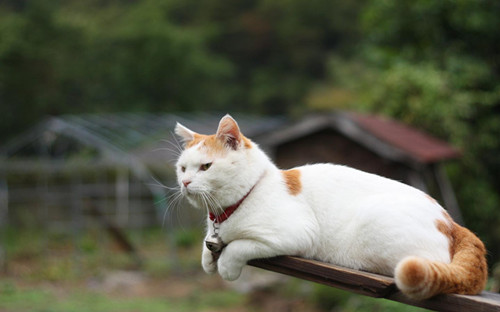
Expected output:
{"points": [[215, 171]]}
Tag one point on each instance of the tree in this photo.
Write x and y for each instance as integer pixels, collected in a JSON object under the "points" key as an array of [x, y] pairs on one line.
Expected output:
{"points": [[57, 59], [434, 64]]}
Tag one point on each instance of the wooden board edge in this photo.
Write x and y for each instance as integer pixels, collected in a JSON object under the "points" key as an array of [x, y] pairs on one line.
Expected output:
{"points": [[373, 285], [364, 283]]}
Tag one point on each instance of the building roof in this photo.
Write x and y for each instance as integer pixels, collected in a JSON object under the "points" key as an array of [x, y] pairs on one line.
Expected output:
{"points": [[150, 137], [120, 135], [135, 141], [418, 144], [388, 138]]}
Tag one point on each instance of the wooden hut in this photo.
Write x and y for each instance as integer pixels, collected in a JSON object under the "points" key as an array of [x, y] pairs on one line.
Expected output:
{"points": [[74, 172], [371, 143], [118, 162]]}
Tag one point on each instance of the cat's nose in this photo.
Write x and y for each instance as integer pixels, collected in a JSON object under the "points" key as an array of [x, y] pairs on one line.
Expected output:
{"points": [[186, 182]]}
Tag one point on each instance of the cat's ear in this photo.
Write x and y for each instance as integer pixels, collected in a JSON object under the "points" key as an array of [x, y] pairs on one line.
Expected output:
{"points": [[229, 132], [184, 133]]}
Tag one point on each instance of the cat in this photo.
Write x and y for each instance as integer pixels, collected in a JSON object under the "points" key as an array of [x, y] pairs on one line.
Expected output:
{"points": [[327, 212]]}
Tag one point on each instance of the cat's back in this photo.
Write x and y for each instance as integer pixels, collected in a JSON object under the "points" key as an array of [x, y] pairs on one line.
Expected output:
{"points": [[343, 192], [343, 180], [357, 211]]}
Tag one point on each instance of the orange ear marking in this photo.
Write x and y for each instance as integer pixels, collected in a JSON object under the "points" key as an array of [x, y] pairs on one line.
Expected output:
{"points": [[210, 143], [228, 135], [229, 132], [247, 143], [197, 139], [292, 180], [213, 144], [228, 127]]}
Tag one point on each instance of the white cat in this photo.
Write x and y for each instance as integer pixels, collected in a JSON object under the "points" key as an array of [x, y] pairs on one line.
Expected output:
{"points": [[326, 212]]}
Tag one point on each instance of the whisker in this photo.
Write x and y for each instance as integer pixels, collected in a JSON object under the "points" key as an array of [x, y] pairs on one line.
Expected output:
{"points": [[175, 188], [216, 206], [177, 143], [168, 149], [205, 201], [172, 206], [175, 148], [161, 201]]}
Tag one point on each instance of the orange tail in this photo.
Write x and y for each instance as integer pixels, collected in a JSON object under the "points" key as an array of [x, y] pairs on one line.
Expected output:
{"points": [[467, 273]]}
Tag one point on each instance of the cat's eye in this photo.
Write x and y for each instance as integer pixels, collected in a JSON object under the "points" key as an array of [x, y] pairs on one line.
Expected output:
{"points": [[183, 169], [205, 167]]}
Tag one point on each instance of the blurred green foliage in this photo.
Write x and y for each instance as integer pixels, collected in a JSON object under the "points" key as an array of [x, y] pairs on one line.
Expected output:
{"points": [[177, 55], [90, 57], [435, 65], [432, 64], [43, 300], [329, 298], [64, 275]]}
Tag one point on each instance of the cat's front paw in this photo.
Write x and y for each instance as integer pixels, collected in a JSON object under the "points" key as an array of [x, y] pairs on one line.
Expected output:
{"points": [[229, 270], [208, 262]]}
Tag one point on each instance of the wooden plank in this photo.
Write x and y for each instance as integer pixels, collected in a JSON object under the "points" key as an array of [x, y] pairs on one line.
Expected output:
{"points": [[363, 283], [485, 302], [373, 285]]}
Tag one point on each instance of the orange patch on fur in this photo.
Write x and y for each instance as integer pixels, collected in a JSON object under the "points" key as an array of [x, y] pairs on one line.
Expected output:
{"points": [[197, 139], [292, 180], [446, 229], [247, 142], [468, 271], [213, 144], [413, 272], [429, 197]]}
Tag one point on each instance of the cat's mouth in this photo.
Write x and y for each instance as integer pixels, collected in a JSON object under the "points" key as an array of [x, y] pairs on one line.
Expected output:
{"points": [[188, 191], [202, 199]]}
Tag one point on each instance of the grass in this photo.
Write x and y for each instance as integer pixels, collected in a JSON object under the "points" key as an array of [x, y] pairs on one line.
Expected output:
{"points": [[52, 272], [56, 272], [45, 300]]}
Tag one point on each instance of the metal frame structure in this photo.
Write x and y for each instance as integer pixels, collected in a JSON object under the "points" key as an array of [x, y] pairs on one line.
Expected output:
{"points": [[140, 148]]}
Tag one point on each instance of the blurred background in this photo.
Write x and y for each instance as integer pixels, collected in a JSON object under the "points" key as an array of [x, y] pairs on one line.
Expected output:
{"points": [[90, 92]]}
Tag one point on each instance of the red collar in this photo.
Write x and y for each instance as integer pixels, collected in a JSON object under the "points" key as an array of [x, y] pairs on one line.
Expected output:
{"points": [[228, 211]]}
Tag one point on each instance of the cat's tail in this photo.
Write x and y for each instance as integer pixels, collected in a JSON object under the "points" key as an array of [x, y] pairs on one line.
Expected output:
{"points": [[419, 278]]}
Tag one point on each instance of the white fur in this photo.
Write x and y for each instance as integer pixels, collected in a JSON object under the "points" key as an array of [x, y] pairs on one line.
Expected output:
{"points": [[185, 134], [342, 215]]}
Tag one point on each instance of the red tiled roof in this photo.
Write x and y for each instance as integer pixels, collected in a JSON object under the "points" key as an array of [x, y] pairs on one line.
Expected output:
{"points": [[415, 143]]}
